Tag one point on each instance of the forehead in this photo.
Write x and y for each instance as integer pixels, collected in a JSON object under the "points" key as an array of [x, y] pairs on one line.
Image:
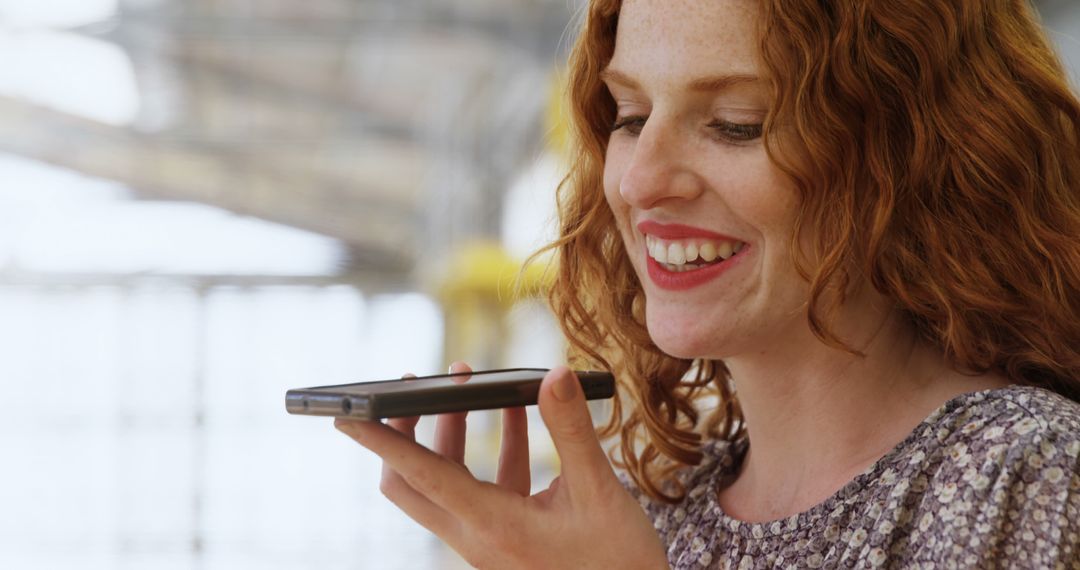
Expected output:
{"points": [[672, 38]]}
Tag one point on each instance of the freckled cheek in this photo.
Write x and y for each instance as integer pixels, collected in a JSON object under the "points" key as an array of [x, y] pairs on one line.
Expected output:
{"points": [[613, 172]]}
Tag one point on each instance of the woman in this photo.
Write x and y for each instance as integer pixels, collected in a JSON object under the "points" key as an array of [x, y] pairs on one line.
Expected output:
{"points": [[832, 251]]}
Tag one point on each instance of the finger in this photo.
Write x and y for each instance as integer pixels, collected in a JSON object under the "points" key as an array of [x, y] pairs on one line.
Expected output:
{"points": [[391, 481], [513, 470], [440, 480], [395, 488], [585, 467], [450, 428], [406, 425]]}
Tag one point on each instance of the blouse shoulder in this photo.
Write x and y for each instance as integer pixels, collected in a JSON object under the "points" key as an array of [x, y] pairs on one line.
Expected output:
{"points": [[1002, 469], [1022, 429]]}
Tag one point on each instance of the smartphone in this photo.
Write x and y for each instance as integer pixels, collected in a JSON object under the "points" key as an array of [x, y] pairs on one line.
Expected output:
{"points": [[485, 390]]}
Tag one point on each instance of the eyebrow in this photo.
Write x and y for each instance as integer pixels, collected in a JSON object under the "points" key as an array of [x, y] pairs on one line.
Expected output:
{"points": [[704, 84]]}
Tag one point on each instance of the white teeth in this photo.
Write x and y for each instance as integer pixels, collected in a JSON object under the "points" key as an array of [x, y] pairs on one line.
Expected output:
{"points": [[691, 252], [676, 254], [659, 252], [708, 251]]}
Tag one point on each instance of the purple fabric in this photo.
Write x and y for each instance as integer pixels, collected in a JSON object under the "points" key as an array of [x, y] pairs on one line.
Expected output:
{"points": [[990, 479]]}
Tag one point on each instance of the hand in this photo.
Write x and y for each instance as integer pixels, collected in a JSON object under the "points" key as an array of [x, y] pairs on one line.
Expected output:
{"points": [[584, 519]]}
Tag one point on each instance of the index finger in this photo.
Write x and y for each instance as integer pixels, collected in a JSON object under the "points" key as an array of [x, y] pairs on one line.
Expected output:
{"points": [[443, 481], [450, 428]]}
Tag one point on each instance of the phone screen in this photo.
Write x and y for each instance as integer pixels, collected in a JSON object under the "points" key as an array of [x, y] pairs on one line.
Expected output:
{"points": [[442, 381]]}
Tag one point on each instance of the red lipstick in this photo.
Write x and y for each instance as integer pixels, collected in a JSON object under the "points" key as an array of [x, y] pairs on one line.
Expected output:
{"points": [[679, 231]]}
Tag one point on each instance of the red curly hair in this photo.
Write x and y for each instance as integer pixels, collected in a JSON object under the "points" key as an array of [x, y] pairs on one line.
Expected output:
{"points": [[939, 161]]}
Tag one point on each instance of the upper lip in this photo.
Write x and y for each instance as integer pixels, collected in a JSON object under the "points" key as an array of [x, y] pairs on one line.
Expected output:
{"points": [[679, 231]]}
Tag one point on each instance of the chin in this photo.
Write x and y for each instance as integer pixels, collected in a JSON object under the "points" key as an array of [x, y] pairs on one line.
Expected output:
{"points": [[681, 339]]}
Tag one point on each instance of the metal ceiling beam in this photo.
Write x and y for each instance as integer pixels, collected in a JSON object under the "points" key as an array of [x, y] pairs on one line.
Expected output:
{"points": [[378, 228]]}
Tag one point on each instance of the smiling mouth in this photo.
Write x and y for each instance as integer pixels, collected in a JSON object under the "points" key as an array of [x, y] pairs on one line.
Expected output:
{"points": [[678, 256]]}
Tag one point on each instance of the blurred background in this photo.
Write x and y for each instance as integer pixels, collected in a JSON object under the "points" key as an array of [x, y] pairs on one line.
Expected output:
{"points": [[204, 203]]}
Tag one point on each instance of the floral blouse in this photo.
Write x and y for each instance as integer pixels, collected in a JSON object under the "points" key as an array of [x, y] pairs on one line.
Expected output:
{"points": [[989, 480]]}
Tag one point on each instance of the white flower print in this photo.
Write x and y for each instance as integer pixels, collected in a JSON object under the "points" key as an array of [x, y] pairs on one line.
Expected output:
{"points": [[857, 537], [831, 532], [925, 522], [1035, 461], [972, 427], [996, 453], [947, 493], [1025, 426]]}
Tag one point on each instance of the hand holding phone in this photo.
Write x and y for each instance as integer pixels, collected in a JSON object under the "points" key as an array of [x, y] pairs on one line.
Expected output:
{"points": [[568, 525]]}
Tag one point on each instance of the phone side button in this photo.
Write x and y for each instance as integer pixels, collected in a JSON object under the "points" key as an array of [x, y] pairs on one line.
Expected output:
{"points": [[355, 407], [318, 405]]}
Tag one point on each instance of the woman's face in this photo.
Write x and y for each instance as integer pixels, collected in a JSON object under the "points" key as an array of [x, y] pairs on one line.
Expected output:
{"points": [[705, 215]]}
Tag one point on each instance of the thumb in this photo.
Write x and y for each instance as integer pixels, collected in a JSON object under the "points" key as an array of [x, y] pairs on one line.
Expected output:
{"points": [[562, 405]]}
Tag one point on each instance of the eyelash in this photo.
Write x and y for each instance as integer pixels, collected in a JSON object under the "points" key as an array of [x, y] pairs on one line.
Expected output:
{"points": [[732, 132]]}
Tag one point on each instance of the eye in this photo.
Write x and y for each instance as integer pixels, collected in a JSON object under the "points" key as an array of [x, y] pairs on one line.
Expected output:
{"points": [[736, 132], [632, 124]]}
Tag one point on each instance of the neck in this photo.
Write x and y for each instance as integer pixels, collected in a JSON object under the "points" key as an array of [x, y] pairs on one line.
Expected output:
{"points": [[818, 416]]}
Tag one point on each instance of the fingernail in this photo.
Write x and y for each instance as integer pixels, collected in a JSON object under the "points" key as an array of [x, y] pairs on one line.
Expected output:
{"points": [[565, 387]]}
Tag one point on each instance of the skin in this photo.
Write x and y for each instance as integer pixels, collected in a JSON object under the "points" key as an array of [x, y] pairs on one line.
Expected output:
{"points": [[817, 416]]}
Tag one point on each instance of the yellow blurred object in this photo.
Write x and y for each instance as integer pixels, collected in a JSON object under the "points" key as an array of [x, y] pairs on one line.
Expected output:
{"points": [[485, 270], [480, 285]]}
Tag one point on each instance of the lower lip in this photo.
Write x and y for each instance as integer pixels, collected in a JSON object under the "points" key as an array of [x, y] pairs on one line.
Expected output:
{"points": [[683, 280]]}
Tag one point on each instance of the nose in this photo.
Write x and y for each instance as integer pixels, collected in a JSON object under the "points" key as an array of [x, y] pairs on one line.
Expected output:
{"points": [[659, 168]]}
